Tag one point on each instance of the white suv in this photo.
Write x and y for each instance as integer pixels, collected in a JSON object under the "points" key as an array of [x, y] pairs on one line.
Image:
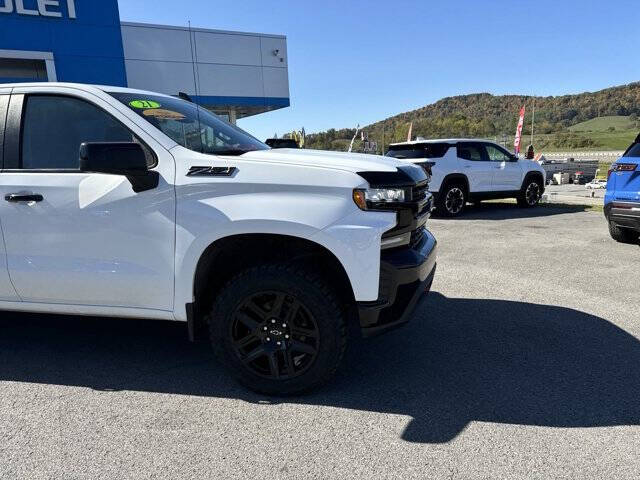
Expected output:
{"points": [[465, 170], [127, 203]]}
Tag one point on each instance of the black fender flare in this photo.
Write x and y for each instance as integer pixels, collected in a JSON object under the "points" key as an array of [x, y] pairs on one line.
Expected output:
{"points": [[455, 178], [533, 175]]}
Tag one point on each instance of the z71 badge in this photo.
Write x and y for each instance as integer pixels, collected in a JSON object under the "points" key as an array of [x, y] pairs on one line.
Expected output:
{"points": [[211, 171]]}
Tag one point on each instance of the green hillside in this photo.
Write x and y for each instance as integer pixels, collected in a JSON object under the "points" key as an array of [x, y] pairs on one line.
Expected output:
{"points": [[604, 124], [603, 120]]}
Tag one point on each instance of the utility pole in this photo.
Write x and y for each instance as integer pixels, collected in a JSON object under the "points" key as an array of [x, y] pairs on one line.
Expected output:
{"points": [[533, 119], [383, 125]]}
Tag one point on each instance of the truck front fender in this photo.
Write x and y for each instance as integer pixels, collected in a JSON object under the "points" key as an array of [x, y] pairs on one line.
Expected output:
{"points": [[327, 218]]}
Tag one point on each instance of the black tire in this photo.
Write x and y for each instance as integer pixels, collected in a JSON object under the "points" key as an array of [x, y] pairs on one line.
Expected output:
{"points": [[452, 200], [298, 352], [623, 235], [531, 193]]}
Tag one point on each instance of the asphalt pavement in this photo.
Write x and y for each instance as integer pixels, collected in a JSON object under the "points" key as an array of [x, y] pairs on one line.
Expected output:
{"points": [[574, 194], [524, 362]]}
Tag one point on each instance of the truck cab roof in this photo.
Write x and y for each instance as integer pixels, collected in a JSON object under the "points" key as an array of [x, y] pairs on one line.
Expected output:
{"points": [[84, 87]]}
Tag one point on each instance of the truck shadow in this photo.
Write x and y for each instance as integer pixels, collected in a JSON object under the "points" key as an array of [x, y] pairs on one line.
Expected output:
{"points": [[505, 211], [460, 360]]}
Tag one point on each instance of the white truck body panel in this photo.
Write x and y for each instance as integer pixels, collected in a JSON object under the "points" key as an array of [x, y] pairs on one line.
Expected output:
{"points": [[299, 205], [95, 247]]}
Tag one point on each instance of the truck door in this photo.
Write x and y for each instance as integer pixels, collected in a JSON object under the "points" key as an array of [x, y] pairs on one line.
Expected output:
{"points": [[7, 292], [82, 238]]}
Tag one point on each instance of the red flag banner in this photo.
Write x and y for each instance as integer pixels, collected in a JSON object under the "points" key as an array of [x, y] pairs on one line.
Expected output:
{"points": [[516, 144]]}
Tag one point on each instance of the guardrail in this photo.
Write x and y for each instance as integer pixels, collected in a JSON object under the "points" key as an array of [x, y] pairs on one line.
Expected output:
{"points": [[602, 156]]}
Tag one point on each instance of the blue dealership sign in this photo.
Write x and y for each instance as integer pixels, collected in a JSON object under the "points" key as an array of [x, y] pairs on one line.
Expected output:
{"points": [[84, 37]]}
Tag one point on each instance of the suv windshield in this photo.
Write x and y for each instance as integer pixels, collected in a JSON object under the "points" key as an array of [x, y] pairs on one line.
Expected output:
{"points": [[191, 126], [423, 150]]}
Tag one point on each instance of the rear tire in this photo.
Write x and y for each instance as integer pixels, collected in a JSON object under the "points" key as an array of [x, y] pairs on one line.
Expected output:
{"points": [[530, 194], [278, 329], [452, 200], [622, 235]]}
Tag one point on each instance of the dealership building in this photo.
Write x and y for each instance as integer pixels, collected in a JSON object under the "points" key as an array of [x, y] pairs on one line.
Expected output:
{"points": [[234, 74]]}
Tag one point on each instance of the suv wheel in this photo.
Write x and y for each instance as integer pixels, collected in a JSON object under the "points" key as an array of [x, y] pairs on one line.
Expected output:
{"points": [[531, 194], [452, 200], [622, 235], [278, 329]]}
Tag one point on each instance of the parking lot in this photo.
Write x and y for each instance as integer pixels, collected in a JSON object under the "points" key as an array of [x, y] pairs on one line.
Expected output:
{"points": [[523, 363], [574, 194]]}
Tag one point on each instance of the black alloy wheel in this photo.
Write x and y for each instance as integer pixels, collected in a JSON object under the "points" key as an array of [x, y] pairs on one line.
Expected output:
{"points": [[274, 335], [279, 328], [531, 195], [452, 200]]}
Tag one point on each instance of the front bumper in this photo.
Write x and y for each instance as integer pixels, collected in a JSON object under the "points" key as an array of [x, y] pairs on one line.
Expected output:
{"points": [[624, 214], [405, 275]]}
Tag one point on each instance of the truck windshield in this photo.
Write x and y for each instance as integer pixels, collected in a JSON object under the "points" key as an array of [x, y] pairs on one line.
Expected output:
{"points": [[189, 125]]}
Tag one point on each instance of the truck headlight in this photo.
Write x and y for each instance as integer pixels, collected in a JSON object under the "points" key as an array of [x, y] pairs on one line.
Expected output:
{"points": [[365, 198]]}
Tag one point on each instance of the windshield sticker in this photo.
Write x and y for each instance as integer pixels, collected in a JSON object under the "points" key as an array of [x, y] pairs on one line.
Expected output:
{"points": [[163, 114], [144, 104]]}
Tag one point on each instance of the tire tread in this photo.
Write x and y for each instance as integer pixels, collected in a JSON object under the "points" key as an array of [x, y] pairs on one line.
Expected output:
{"points": [[622, 235], [331, 308]]}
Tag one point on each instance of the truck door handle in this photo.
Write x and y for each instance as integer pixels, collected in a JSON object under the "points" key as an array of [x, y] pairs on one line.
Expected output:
{"points": [[23, 197]]}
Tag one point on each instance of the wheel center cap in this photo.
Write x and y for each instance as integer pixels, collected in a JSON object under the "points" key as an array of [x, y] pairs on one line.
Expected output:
{"points": [[276, 331]]}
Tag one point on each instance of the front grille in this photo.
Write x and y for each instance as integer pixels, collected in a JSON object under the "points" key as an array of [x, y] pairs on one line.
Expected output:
{"points": [[419, 195], [423, 206], [413, 214]]}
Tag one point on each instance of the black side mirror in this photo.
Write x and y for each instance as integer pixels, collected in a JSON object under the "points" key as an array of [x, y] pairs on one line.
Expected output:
{"points": [[127, 159]]}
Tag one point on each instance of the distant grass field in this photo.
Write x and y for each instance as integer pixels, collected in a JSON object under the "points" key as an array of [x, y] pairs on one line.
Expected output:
{"points": [[617, 140], [603, 124], [608, 133]]}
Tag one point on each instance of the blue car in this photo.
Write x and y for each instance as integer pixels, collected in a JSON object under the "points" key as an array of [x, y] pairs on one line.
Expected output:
{"points": [[622, 200]]}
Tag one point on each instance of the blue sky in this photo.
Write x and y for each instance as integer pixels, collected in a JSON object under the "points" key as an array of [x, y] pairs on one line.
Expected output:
{"points": [[356, 61]]}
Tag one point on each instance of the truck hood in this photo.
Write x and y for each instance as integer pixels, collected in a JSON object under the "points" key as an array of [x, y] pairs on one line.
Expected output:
{"points": [[352, 162]]}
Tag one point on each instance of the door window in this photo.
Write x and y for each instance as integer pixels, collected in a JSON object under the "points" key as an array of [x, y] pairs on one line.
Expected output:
{"points": [[55, 126], [496, 154], [470, 151]]}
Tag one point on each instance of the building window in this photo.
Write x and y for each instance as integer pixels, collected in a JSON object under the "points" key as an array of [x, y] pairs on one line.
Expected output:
{"points": [[13, 70]]}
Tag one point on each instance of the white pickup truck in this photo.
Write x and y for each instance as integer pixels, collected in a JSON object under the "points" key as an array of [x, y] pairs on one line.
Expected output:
{"points": [[128, 203]]}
